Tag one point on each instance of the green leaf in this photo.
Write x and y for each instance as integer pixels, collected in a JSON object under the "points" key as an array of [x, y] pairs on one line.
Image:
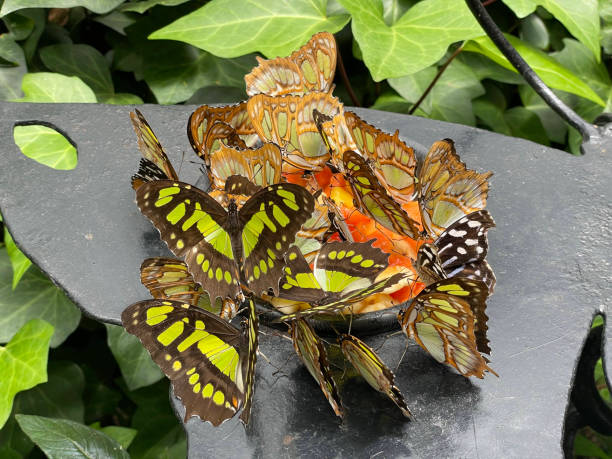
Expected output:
{"points": [[526, 124], [19, 25], [123, 99], [10, 77], [416, 41], [46, 146], [390, 101], [485, 68], [97, 6], [550, 71], [224, 95], [605, 13], [117, 21], [19, 261], [135, 363], [53, 87], [271, 27], [122, 435], [144, 5], [175, 77], [34, 297], [82, 61], [555, 127], [577, 58], [451, 97], [491, 115], [30, 46], [60, 438], [59, 397], [581, 18], [12, 436], [586, 448], [23, 362], [534, 31]]}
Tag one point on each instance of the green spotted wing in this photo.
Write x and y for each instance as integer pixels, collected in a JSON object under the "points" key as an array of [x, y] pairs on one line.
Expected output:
{"points": [[169, 279], [344, 273], [372, 199], [311, 351], [373, 369], [216, 242], [209, 361], [155, 164]]}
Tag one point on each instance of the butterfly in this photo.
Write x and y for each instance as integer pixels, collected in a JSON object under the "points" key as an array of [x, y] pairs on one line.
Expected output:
{"points": [[311, 68], [311, 351], [448, 320], [155, 164], [447, 190], [216, 242], [459, 251], [210, 363], [373, 200], [262, 166], [344, 273], [169, 279], [288, 122], [391, 160], [369, 365], [209, 125]]}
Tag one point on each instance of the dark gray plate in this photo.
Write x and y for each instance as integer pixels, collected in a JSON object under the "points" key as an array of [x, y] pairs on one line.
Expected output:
{"points": [[551, 252]]}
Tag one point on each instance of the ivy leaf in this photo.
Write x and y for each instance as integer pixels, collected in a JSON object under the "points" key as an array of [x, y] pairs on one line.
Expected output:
{"points": [[271, 27], [34, 297], [605, 13], [485, 68], [10, 77], [23, 362], [580, 18], [53, 87], [144, 5], [122, 435], [97, 6], [46, 146], [491, 115], [82, 61], [451, 97], [534, 32], [550, 71], [123, 98], [60, 438], [576, 57], [19, 261], [526, 124], [135, 363], [416, 41], [117, 21], [19, 25], [175, 76], [555, 127]]}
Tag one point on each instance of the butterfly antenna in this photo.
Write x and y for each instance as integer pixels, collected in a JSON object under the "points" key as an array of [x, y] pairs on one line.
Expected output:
{"points": [[181, 164], [402, 357]]}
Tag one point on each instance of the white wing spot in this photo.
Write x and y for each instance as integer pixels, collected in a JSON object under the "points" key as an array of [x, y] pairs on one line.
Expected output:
{"points": [[457, 233], [469, 242], [461, 250], [474, 223]]}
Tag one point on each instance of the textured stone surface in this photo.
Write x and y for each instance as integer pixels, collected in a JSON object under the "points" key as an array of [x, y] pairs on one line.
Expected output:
{"points": [[551, 252]]}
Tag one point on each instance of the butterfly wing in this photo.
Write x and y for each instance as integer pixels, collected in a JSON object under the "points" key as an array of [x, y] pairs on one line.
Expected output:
{"points": [[288, 121], [372, 199], [448, 320], [311, 68], [149, 145], [394, 162], [249, 362], [311, 350], [299, 282], [371, 367], [194, 226], [269, 222], [201, 354], [262, 166]]}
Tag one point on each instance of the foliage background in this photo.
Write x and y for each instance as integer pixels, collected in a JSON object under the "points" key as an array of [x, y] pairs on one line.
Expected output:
{"points": [[82, 385]]}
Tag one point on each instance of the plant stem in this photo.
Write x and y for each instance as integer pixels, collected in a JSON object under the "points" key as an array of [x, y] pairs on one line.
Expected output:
{"points": [[436, 78], [346, 81]]}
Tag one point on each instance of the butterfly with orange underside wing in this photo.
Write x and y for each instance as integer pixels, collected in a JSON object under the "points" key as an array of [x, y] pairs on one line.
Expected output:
{"points": [[344, 273], [448, 320], [207, 126], [371, 367], [210, 363], [154, 164], [288, 121], [459, 251], [224, 248], [309, 69], [311, 350]]}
